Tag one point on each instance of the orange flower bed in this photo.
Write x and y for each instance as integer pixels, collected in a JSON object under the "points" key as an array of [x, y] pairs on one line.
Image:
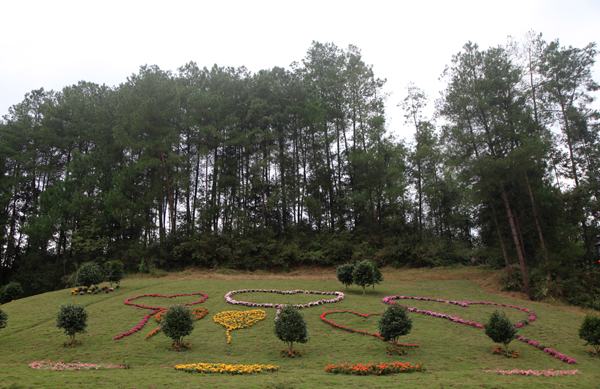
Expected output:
{"points": [[382, 368]]}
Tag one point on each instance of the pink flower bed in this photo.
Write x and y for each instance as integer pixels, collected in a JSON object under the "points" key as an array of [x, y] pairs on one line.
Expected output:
{"points": [[61, 366], [155, 309], [531, 317], [339, 296], [534, 373]]}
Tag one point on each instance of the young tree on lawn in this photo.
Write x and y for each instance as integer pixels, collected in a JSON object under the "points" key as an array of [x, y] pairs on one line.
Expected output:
{"points": [[290, 327], [72, 319], [500, 329], [344, 274], [177, 323], [394, 323], [590, 332], [3, 319]]}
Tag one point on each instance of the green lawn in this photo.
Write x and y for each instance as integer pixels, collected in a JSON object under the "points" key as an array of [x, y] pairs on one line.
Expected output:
{"points": [[454, 355]]}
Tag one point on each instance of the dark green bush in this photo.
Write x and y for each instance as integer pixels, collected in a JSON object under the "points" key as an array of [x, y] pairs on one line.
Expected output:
{"points": [[177, 323], [114, 271], [11, 291], [590, 332], [290, 327], [3, 319], [344, 274], [394, 323], [365, 273], [89, 274], [500, 329], [72, 319]]}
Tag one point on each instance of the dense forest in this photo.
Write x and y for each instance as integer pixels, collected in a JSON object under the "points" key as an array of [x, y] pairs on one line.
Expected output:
{"points": [[223, 167]]}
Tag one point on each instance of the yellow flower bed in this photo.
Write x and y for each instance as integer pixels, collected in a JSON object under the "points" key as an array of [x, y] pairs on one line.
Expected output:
{"points": [[225, 368], [235, 320]]}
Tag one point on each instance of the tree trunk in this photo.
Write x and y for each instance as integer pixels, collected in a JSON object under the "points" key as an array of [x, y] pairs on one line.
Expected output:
{"points": [[518, 247]]}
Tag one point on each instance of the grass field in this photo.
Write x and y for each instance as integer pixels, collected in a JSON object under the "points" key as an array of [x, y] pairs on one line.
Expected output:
{"points": [[454, 355]]}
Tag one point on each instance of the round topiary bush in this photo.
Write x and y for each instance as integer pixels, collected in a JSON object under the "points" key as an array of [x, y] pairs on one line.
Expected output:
{"points": [[500, 330], [11, 291], [590, 332], [114, 271], [89, 274], [72, 319], [290, 327], [366, 273], [177, 323], [344, 274], [394, 323], [3, 319]]}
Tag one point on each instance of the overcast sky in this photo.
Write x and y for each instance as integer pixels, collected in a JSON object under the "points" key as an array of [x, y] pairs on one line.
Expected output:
{"points": [[53, 44]]}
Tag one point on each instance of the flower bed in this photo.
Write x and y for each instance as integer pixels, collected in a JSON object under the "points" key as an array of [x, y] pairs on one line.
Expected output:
{"points": [[339, 296], [534, 373], [531, 317], [224, 368], [94, 289], [61, 366], [155, 309], [382, 368], [235, 320], [355, 331]]}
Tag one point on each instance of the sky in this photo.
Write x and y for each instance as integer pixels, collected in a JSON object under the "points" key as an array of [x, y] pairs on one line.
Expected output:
{"points": [[52, 44]]}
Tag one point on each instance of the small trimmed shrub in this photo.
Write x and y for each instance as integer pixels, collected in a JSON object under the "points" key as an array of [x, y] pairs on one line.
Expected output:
{"points": [[89, 274], [590, 332], [500, 329], [344, 274], [72, 319], [3, 319], [365, 274], [114, 271], [394, 323], [176, 324], [290, 328], [11, 291]]}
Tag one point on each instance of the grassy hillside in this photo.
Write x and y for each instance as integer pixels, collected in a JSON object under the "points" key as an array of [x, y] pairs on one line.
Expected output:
{"points": [[454, 355]]}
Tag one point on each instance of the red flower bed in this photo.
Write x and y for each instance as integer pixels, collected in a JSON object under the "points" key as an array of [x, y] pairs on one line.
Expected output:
{"points": [[155, 309], [352, 330]]}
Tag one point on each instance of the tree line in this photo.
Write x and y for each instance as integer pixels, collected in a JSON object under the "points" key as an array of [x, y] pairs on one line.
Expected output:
{"points": [[293, 166]]}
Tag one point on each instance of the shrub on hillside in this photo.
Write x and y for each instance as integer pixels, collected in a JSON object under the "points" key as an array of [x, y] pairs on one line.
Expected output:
{"points": [[177, 323], [290, 328], [394, 323], [590, 332], [500, 330], [3, 319], [366, 273], [72, 319], [89, 274], [344, 274], [11, 291], [114, 271]]}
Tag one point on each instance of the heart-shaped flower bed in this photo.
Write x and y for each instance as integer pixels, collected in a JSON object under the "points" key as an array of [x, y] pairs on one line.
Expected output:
{"points": [[459, 320], [235, 320], [339, 296], [352, 330], [155, 309]]}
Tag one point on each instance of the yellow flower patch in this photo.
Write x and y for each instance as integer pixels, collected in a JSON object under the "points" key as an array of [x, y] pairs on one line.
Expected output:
{"points": [[235, 320], [225, 368]]}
